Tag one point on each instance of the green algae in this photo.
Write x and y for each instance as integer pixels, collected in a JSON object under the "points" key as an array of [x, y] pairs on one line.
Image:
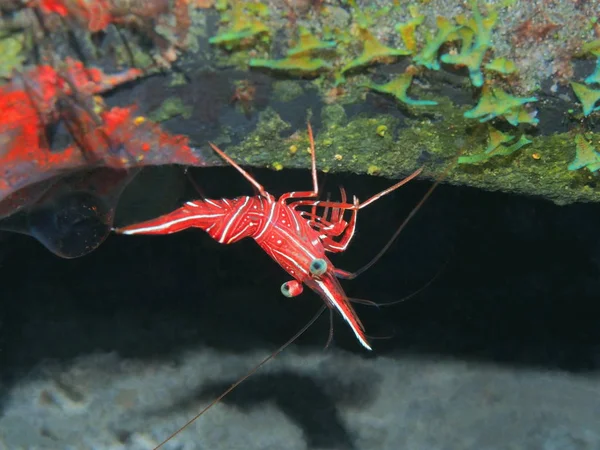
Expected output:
{"points": [[353, 144], [334, 115], [11, 49], [287, 90], [170, 108], [131, 53]]}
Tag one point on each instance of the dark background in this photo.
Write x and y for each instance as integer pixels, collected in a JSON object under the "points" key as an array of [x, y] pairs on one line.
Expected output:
{"points": [[516, 282]]}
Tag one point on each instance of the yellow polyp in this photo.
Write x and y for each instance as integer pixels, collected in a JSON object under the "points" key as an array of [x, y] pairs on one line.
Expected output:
{"points": [[277, 166], [373, 170], [338, 157], [474, 46], [586, 155], [139, 120], [293, 149], [373, 52], [407, 30], [494, 102], [587, 96], [398, 88], [502, 66], [427, 57], [381, 130], [98, 105]]}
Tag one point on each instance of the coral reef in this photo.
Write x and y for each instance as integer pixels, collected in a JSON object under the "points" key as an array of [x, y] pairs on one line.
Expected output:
{"points": [[251, 72]]}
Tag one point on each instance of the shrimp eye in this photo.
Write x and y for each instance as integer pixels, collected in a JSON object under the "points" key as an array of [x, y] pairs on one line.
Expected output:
{"points": [[291, 288], [318, 267]]}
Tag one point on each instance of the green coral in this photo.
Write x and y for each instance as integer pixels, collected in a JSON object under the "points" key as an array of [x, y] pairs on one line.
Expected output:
{"points": [[586, 155], [588, 97], [592, 47], [520, 115], [398, 89], [502, 66], [538, 168], [245, 25], [292, 64], [427, 57], [373, 51], [494, 102], [356, 144], [595, 76], [299, 59], [476, 36], [407, 29], [308, 44], [498, 145]]}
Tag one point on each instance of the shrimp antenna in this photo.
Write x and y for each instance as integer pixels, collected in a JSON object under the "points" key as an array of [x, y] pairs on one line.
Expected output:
{"points": [[403, 225], [245, 377], [407, 297]]}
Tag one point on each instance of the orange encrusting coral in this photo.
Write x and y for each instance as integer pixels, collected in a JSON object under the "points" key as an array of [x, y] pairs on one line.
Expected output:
{"points": [[112, 138], [53, 6], [97, 15]]}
